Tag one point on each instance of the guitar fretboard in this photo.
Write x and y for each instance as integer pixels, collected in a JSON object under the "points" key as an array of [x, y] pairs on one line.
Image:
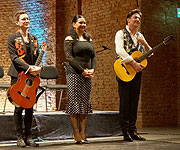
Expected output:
{"points": [[141, 58], [39, 59]]}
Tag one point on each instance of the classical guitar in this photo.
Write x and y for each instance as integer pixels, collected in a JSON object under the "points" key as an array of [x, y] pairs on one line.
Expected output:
{"points": [[23, 92], [126, 72]]}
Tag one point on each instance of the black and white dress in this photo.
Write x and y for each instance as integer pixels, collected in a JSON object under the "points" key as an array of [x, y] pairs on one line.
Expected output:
{"points": [[80, 55]]}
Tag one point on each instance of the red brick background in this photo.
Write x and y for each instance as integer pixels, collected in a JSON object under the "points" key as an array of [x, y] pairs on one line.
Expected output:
{"points": [[43, 21], [160, 96], [160, 83]]}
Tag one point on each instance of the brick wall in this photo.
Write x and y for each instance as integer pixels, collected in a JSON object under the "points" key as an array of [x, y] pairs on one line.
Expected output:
{"points": [[42, 14], [5, 28], [65, 11], [159, 93], [159, 100], [178, 66], [104, 19]]}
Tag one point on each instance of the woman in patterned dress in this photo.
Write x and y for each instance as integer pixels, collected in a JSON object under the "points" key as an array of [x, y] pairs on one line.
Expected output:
{"points": [[81, 58]]}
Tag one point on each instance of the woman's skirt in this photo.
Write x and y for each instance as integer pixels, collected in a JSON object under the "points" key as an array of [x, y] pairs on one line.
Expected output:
{"points": [[79, 91]]}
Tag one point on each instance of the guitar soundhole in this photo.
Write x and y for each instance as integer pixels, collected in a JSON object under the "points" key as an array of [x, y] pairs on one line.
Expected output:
{"points": [[125, 69], [29, 82]]}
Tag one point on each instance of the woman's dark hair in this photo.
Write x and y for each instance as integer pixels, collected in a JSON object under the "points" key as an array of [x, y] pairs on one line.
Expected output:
{"points": [[75, 19], [73, 33], [131, 13]]}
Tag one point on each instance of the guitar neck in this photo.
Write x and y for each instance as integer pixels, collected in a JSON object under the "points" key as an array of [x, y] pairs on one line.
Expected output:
{"points": [[39, 59], [141, 58]]}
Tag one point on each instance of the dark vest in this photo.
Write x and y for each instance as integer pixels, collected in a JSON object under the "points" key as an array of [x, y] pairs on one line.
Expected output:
{"points": [[129, 45]]}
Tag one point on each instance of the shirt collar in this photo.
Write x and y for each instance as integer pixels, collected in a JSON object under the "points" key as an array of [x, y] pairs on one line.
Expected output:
{"points": [[127, 28]]}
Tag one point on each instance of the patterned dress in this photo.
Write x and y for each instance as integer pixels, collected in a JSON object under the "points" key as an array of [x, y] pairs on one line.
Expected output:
{"points": [[80, 55]]}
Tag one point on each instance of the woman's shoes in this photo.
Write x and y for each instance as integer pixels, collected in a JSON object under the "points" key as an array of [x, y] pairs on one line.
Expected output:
{"points": [[85, 142], [77, 142], [82, 142]]}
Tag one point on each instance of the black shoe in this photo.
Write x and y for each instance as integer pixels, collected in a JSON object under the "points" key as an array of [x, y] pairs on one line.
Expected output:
{"points": [[135, 136], [20, 142], [127, 137], [85, 142], [29, 142], [78, 142]]}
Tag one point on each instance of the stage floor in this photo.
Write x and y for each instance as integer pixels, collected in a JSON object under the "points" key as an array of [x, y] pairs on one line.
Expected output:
{"points": [[157, 139]]}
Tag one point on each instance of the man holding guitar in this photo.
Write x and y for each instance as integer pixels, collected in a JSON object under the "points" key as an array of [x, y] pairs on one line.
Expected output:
{"points": [[23, 49], [127, 41]]}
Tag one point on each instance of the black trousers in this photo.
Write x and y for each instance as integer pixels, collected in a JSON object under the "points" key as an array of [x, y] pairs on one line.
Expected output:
{"points": [[129, 97], [18, 119]]}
